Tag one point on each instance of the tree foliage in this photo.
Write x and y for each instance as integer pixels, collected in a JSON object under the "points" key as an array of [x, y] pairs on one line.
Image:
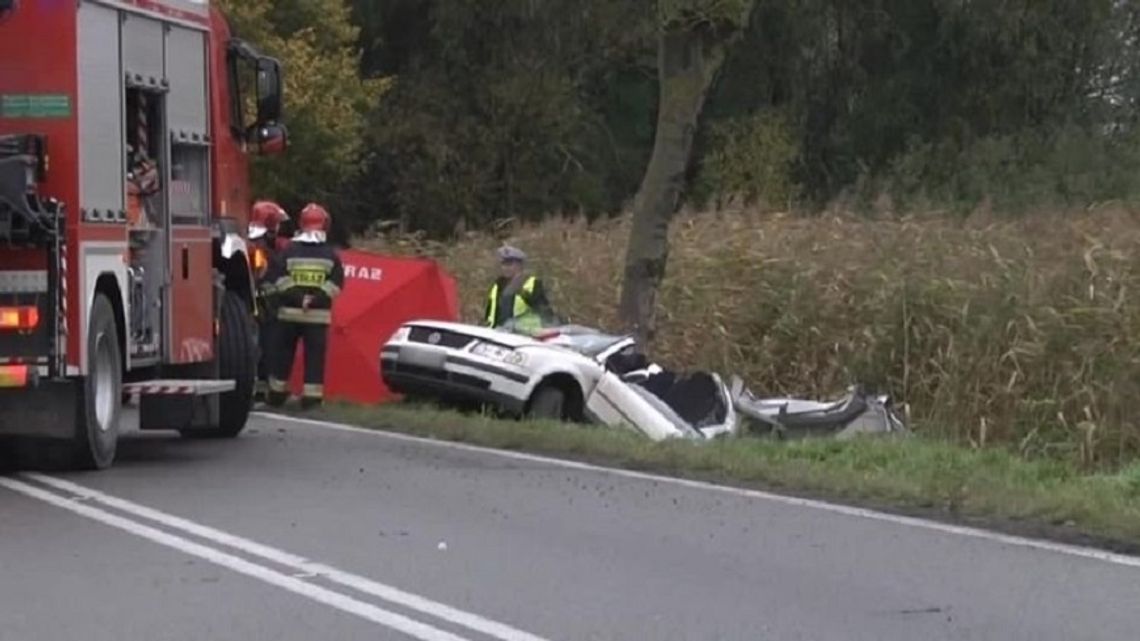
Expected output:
{"points": [[871, 83], [326, 97], [535, 119], [689, 15], [526, 108]]}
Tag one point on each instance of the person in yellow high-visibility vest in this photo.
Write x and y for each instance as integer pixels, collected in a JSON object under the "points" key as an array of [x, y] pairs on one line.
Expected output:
{"points": [[516, 295]]}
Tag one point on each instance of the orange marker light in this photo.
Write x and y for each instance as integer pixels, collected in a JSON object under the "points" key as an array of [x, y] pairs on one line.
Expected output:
{"points": [[19, 318], [13, 376]]}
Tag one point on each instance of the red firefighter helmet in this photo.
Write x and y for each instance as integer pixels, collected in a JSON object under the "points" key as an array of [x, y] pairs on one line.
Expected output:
{"points": [[314, 218], [266, 216]]}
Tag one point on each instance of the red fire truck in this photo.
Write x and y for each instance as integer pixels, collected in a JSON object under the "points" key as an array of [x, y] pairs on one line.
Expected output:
{"points": [[125, 131]]}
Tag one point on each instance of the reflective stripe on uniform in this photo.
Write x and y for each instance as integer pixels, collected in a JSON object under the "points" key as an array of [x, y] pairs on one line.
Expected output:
{"points": [[528, 323], [309, 272], [313, 391], [304, 316], [304, 272], [278, 386], [309, 263], [330, 288], [521, 306], [282, 284]]}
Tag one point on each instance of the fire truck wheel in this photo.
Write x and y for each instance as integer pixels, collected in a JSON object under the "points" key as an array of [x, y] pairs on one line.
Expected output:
{"points": [[237, 351], [100, 402]]}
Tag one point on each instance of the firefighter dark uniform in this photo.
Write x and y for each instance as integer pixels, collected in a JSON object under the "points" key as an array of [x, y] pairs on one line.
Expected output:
{"points": [[516, 296], [265, 220], [303, 281]]}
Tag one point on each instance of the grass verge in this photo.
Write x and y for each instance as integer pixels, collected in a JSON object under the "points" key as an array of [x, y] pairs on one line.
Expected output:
{"points": [[987, 487]]}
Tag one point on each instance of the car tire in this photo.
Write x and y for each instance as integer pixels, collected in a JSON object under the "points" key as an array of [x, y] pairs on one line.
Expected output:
{"points": [[548, 403]]}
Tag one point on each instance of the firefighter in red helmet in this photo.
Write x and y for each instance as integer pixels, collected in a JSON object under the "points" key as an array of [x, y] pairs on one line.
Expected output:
{"points": [[303, 281], [264, 223]]}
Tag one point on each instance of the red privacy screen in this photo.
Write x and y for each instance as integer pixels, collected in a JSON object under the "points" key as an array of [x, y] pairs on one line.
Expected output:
{"points": [[380, 293]]}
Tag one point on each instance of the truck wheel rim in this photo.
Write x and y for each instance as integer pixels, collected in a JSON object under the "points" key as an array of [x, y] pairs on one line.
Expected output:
{"points": [[104, 383]]}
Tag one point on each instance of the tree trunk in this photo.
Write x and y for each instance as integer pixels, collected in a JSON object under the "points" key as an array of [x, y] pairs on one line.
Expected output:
{"points": [[687, 63]]}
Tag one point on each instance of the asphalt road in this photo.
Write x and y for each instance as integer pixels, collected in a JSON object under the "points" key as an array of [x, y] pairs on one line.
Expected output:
{"points": [[305, 532]]}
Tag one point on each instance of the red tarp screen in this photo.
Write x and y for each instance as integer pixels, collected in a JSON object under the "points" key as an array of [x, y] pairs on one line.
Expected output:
{"points": [[380, 294]]}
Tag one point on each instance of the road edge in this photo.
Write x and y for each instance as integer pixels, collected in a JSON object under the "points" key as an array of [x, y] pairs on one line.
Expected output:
{"points": [[1024, 535]]}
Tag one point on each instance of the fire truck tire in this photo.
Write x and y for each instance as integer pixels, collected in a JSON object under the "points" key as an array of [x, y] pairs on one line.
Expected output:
{"points": [[100, 399], [237, 352]]}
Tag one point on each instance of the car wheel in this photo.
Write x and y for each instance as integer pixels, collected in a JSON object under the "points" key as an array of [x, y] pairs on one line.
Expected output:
{"points": [[548, 403]]}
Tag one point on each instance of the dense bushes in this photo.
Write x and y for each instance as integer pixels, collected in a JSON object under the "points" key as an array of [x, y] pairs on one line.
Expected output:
{"points": [[1020, 173], [520, 109]]}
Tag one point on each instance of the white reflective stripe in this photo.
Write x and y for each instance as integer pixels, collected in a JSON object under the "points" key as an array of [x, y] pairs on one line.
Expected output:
{"points": [[23, 281], [291, 263], [311, 237], [305, 316], [19, 360]]}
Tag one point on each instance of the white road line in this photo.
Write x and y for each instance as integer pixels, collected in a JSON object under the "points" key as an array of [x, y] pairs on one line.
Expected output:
{"points": [[297, 563], [336, 600], [846, 510]]}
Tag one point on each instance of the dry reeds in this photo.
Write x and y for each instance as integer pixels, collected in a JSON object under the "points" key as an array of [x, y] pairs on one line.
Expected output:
{"points": [[1024, 333]]}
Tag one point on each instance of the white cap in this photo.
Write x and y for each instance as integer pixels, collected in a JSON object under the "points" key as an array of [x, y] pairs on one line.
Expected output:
{"points": [[507, 252]]}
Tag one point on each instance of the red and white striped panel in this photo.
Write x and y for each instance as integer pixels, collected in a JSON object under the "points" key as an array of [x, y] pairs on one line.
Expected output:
{"points": [[63, 322]]}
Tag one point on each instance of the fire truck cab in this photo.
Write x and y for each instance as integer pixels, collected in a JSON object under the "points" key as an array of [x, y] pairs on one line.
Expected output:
{"points": [[125, 133]]}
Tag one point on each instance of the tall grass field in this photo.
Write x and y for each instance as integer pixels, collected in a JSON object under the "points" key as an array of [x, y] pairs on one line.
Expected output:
{"points": [[1021, 334]]}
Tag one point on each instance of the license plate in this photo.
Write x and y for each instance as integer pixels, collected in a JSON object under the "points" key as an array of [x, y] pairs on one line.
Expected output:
{"points": [[416, 357]]}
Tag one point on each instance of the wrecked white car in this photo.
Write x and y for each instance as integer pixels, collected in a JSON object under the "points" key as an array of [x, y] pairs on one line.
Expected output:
{"points": [[567, 373], [576, 373]]}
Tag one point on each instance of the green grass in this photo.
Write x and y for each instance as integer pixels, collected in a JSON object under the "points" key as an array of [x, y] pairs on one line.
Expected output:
{"points": [[922, 476]]}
